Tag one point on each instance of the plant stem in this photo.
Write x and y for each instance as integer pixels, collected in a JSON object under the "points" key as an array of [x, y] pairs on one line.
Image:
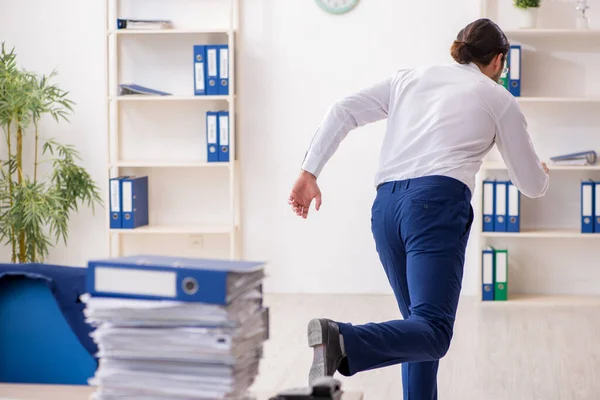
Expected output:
{"points": [[35, 163], [10, 192], [20, 181]]}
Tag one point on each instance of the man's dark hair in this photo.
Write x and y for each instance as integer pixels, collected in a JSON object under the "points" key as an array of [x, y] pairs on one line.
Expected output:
{"points": [[479, 42]]}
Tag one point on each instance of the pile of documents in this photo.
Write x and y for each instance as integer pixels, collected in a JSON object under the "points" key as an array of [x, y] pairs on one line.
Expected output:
{"points": [[205, 344]]}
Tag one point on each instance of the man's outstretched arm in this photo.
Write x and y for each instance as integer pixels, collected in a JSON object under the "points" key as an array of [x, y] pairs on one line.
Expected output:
{"points": [[368, 105]]}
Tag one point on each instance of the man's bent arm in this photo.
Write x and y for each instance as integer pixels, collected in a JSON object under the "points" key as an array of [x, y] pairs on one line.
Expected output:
{"points": [[368, 105]]}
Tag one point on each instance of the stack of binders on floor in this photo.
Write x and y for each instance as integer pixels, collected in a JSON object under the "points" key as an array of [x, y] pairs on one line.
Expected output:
{"points": [[176, 328], [511, 75], [501, 207], [211, 70], [128, 202], [494, 275], [217, 136], [590, 206]]}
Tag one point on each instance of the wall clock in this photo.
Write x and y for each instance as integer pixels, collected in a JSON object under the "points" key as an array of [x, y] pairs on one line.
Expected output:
{"points": [[337, 6]]}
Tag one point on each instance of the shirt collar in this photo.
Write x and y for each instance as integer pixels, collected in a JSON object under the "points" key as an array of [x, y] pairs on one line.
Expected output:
{"points": [[473, 66]]}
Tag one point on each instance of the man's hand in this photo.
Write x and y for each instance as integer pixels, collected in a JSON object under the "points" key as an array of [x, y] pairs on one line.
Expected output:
{"points": [[304, 191], [545, 168]]}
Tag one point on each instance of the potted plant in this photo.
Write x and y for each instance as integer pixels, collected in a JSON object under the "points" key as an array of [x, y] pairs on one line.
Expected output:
{"points": [[36, 200], [529, 12]]}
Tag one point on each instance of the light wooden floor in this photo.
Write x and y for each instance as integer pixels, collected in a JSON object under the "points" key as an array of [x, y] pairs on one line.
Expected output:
{"points": [[504, 352]]}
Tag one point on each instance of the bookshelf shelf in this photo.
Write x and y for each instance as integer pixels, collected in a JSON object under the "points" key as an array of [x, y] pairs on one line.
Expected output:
{"points": [[499, 166], [541, 99], [130, 32], [169, 164], [142, 97], [174, 229], [574, 33], [130, 121], [544, 300], [543, 234]]}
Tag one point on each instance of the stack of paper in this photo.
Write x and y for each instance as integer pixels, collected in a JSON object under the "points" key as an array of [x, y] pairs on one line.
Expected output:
{"points": [[178, 349]]}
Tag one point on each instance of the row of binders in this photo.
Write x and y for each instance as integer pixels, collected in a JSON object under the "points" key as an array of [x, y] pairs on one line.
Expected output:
{"points": [[511, 75], [217, 136], [494, 275], [128, 202], [176, 328], [590, 207], [211, 70], [501, 207]]}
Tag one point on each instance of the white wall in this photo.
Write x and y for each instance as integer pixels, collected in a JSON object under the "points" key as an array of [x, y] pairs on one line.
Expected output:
{"points": [[297, 60], [294, 61]]}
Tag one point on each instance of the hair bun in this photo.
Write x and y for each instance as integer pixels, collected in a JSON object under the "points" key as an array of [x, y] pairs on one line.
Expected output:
{"points": [[461, 52]]}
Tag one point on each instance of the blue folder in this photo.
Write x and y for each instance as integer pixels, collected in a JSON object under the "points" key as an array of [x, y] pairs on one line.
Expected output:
{"points": [[514, 70], [488, 206], [590, 156], [224, 136], [199, 70], [129, 89], [134, 194], [212, 70], [116, 215], [173, 278], [487, 275], [501, 206], [587, 206], [212, 139], [223, 70], [513, 203]]}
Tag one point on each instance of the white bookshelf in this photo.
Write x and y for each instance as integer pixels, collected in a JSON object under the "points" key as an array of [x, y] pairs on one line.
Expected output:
{"points": [[531, 241], [182, 37]]}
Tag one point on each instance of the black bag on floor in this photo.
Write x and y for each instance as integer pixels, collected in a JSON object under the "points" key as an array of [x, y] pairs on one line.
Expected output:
{"points": [[325, 388]]}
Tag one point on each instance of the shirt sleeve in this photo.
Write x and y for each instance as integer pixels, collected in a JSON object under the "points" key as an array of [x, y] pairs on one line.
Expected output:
{"points": [[515, 146], [366, 106]]}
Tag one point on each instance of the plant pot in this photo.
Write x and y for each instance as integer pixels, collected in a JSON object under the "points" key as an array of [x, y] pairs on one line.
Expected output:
{"points": [[528, 17]]}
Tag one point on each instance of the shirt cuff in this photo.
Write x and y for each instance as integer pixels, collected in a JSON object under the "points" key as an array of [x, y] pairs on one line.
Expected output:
{"points": [[313, 163]]}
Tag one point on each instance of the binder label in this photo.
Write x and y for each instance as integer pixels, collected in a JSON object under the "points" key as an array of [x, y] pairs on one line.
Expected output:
{"points": [[135, 281], [212, 129], [587, 201], [212, 62], [501, 266], [224, 63], [515, 64], [513, 201], [500, 199], [597, 199], [488, 262], [127, 197], [488, 198], [224, 128], [199, 76], [114, 196]]}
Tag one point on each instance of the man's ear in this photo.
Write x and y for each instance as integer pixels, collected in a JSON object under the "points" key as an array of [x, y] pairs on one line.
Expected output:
{"points": [[499, 61]]}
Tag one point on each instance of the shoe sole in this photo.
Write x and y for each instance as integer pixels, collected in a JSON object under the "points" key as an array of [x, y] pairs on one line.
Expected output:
{"points": [[315, 341]]}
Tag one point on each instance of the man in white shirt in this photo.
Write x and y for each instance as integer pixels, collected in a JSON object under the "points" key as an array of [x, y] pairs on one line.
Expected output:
{"points": [[441, 122]]}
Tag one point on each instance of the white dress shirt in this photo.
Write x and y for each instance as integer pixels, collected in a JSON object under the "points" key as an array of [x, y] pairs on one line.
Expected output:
{"points": [[441, 120]]}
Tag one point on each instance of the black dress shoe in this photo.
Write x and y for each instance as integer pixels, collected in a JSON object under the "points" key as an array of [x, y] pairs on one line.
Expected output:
{"points": [[324, 338]]}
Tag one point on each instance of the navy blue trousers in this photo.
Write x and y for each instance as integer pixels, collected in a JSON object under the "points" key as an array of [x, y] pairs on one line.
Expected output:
{"points": [[421, 227]]}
